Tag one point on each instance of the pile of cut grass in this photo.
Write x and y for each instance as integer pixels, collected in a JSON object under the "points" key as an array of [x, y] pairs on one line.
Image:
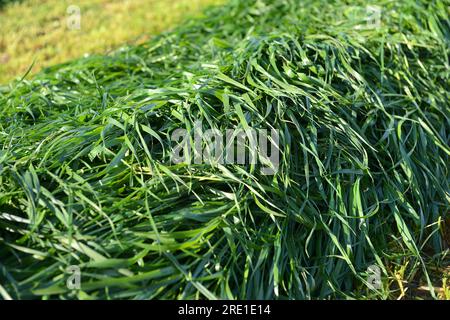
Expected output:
{"points": [[363, 116]]}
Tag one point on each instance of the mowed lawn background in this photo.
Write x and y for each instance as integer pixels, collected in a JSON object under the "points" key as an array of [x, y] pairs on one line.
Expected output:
{"points": [[36, 30]]}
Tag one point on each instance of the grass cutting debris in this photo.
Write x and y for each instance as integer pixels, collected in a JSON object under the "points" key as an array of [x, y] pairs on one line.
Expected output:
{"points": [[353, 102]]}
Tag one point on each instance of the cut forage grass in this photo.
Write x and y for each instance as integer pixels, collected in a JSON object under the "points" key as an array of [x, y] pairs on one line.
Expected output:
{"points": [[362, 111]]}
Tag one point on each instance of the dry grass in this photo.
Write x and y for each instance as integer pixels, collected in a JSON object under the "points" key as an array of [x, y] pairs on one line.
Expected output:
{"points": [[37, 29]]}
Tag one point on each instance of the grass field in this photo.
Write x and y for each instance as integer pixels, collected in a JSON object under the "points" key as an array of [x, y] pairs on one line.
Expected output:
{"points": [[37, 30], [361, 104]]}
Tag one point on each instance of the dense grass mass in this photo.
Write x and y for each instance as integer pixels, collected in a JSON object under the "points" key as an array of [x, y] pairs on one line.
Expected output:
{"points": [[363, 114]]}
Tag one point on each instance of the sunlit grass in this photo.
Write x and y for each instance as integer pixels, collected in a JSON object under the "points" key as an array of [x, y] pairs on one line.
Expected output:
{"points": [[363, 114], [37, 29]]}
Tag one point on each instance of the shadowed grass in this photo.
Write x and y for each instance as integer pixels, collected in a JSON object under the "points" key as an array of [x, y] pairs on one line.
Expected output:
{"points": [[363, 114]]}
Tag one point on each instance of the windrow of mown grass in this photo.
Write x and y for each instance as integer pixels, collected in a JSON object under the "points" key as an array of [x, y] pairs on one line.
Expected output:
{"points": [[363, 116]]}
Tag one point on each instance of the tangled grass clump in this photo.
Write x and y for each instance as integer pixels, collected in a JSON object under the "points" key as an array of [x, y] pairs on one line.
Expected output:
{"points": [[363, 116]]}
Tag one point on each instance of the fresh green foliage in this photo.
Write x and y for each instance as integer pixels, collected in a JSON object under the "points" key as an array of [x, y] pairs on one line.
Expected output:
{"points": [[363, 114], [5, 2]]}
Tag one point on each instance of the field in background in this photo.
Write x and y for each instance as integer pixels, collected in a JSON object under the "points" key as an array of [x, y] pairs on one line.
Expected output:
{"points": [[37, 29]]}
